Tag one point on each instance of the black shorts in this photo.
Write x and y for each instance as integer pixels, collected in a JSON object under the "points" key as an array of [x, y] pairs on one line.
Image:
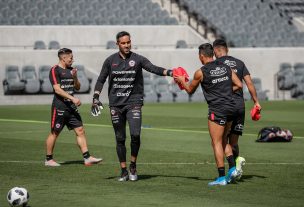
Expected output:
{"points": [[238, 121], [220, 118], [62, 117]]}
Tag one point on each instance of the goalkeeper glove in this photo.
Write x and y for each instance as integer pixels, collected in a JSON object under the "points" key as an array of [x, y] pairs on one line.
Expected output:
{"points": [[96, 105]]}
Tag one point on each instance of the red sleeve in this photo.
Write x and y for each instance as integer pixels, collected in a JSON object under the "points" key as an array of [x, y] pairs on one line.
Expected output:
{"points": [[54, 76]]}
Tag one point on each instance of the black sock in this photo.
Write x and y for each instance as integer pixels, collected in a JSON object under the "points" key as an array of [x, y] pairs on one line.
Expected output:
{"points": [[231, 161], [235, 151], [221, 171], [86, 155], [49, 157], [133, 164], [124, 171]]}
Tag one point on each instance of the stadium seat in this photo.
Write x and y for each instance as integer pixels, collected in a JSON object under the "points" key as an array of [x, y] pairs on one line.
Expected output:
{"points": [[54, 45], [45, 84], [111, 45], [39, 45], [32, 84], [181, 44], [162, 90], [149, 91], [262, 94], [85, 82], [12, 82], [177, 94], [285, 77]]}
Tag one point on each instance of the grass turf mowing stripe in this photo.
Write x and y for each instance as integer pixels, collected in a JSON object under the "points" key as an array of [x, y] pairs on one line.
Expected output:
{"points": [[109, 126], [158, 163]]}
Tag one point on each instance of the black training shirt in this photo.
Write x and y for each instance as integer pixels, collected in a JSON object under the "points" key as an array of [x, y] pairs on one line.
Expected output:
{"points": [[64, 78], [241, 71], [125, 78], [217, 86]]}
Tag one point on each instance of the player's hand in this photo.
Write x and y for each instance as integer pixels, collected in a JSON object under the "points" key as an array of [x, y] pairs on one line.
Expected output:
{"points": [[76, 101], [74, 72], [257, 105], [96, 107], [180, 76]]}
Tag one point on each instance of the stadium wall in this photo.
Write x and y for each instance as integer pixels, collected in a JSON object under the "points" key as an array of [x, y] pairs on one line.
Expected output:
{"points": [[155, 42]]}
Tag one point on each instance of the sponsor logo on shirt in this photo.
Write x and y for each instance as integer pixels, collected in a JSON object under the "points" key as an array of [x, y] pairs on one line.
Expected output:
{"points": [[123, 94], [219, 71], [220, 79], [230, 63], [131, 63]]}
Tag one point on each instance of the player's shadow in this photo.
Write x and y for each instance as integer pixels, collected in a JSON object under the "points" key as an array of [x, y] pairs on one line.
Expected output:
{"points": [[146, 177], [249, 177], [72, 162]]}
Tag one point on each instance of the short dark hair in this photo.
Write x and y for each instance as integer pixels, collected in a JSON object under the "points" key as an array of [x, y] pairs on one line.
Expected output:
{"points": [[220, 43], [206, 50], [121, 34], [63, 51]]}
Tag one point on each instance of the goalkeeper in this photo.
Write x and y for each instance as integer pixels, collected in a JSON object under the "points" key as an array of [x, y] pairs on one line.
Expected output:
{"points": [[124, 72]]}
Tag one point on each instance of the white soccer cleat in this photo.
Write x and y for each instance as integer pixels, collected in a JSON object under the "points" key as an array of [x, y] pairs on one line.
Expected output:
{"points": [[124, 177], [133, 174], [92, 160], [51, 163], [240, 162]]}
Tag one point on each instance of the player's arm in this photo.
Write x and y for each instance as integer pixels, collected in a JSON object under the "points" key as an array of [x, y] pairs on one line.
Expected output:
{"points": [[75, 78], [148, 66], [237, 84], [192, 86], [59, 91], [104, 73], [252, 91]]}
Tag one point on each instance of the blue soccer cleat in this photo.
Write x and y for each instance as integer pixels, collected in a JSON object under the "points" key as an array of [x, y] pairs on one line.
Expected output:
{"points": [[232, 175], [218, 181]]}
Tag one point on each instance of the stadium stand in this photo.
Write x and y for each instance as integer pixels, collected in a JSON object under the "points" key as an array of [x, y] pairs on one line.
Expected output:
{"points": [[85, 82], [83, 12], [46, 86], [253, 23], [54, 45], [162, 90]]}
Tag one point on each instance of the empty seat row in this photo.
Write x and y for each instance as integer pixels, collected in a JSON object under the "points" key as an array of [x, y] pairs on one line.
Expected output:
{"points": [[31, 83], [291, 78]]}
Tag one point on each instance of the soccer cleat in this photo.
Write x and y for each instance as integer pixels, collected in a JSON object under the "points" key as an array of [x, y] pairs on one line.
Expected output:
{"points": [[218, 181], [232, 174], [133, 174], [91, 161], [51, 163], [124, 177], [240, 162]]}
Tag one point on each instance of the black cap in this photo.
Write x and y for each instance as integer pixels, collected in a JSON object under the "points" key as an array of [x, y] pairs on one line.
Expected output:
{"points": [[219, 42]]}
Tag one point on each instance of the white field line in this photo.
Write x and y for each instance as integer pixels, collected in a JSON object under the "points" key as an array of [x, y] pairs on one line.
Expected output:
{"points": [[159, 163], [109, 126]]}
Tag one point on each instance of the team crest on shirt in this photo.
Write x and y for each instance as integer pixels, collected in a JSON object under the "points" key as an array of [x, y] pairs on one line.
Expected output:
{"points": [[57, 126], [131, 63], [113, 112], [230, 63]]}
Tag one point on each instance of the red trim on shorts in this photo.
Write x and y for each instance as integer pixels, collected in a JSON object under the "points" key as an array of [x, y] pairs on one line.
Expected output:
{"points": [[53, 118], [53, 75], [212, 116]]}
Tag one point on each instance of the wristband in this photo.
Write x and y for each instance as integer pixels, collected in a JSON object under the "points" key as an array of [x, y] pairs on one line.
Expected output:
{"points": [[96, 96], [169, 73]]}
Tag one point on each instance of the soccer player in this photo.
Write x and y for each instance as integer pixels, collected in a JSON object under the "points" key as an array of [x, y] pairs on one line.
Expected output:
{"points": [[238, 66], [218, 82], [124, 72], [64, 108]]}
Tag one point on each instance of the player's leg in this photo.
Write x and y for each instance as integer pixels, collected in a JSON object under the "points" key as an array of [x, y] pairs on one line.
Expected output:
{"points": [[118, 117], [237, 131], [232, 172], [216, 132], [134, 117], [57, 124], [73, 121]]}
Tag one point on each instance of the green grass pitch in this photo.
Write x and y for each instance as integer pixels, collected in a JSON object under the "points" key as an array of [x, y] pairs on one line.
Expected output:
{"points": [[175, 162]]}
